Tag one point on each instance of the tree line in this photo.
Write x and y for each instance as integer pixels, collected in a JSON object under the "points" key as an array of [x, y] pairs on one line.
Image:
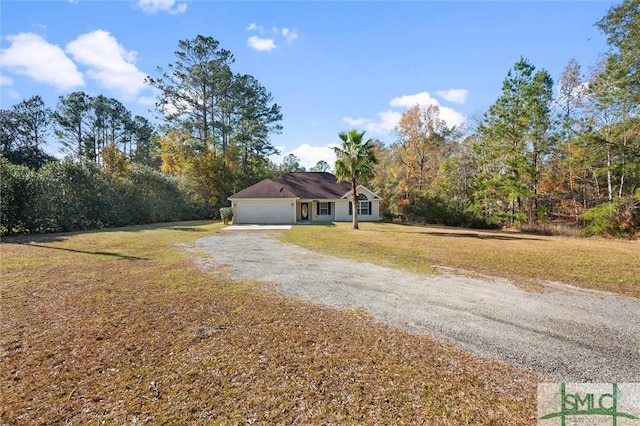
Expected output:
{"points": [[535, 158]]}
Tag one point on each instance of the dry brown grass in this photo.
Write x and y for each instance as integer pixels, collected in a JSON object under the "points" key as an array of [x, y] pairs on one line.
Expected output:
{"points": [[121, 327], [593, 263]]}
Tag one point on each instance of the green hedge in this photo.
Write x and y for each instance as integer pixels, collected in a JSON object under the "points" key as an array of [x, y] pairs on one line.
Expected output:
{"points": [[69, 196]]}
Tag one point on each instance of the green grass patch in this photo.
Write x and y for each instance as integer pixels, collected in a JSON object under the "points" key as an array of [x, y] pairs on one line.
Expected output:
{"points": [[363, 245], [593, 263], [122, 326]]}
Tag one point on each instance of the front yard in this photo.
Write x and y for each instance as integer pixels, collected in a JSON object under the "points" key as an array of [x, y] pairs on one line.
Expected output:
{"points": [[121, 326]]}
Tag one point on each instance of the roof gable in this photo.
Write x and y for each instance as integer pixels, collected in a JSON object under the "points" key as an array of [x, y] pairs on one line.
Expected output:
{"points": [[364, 189]]}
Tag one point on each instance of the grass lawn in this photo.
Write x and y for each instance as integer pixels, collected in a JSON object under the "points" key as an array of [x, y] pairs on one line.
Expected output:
{"points": [[594, 263], [120, 326]]}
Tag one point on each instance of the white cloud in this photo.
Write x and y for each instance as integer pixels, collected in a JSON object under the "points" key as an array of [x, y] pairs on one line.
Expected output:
{"points": [[407, 101], [290, 35], [277, 158], [32, 56], [261, 44], [309, 155], [173, 7], [5, 81], [109, 63], [424, 99], [266, 44], [381, 127], [386, 121], [355, 122], [452, 117], [458, 96]]}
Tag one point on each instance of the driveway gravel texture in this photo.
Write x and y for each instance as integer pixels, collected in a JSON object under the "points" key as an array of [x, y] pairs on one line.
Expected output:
{"points": [[565, 334]]}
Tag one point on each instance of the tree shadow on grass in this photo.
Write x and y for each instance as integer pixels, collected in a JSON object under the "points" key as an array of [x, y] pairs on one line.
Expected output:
{"points": [[187, 229], [461, 233], [56, 237], [39, 240], [479, 236], [187, 226], [98, 253]]}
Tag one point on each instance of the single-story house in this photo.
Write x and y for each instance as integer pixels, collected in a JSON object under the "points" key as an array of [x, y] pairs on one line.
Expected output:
{"points": [[302, 197]]}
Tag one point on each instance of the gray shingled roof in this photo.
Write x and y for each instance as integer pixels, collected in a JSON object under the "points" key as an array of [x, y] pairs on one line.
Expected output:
{"points": [[306, 185], [266, 188]]}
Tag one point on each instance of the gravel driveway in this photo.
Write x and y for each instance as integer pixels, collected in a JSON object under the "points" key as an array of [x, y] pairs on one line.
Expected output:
{"points": [[565, 334]]}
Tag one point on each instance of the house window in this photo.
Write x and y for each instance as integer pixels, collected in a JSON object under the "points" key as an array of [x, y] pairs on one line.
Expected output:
{"points": [[364, 205], [323, 210]]}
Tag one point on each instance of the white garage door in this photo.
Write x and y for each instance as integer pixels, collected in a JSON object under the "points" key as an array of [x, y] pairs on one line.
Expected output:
{"points": [[264, 212]]}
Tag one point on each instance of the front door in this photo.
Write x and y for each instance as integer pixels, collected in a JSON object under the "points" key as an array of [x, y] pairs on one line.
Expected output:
{"points": [[304, 211]]}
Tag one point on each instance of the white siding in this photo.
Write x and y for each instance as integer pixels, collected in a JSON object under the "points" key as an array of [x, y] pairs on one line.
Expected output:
{"points": [[342, 211], [264, 211]]}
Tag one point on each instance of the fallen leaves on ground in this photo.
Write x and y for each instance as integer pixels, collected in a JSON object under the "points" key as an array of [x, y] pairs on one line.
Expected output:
{"points": [[123, 327]]}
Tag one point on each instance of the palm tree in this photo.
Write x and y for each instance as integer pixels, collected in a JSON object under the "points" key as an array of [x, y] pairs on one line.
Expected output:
{"points": [[355, 160]]}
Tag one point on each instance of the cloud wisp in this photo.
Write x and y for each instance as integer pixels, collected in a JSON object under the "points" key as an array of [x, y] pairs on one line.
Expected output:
{"points": [[174, 7], [457, 96], [265, 41], [5, 81], [288, 34]]}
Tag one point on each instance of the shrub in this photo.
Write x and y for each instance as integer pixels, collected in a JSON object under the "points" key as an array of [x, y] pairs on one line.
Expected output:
{"points": [[620, 218], [226, 214], [19, 185], [75, 195]]}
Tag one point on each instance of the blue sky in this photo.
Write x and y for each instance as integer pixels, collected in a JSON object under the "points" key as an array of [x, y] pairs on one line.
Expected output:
{"points": [[330, 65]]}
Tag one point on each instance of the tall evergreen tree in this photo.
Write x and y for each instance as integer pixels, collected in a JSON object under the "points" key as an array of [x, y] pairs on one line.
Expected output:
{"points": [[256, 118], [194, 89], [24, 130], [514, 141], [72, 120], [35, 119]]}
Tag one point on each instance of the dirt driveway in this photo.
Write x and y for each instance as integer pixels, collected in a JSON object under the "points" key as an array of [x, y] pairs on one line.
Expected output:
{"points": [[565, 334]]}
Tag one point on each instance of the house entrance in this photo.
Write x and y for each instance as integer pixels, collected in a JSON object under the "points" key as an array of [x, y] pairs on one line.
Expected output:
{"points": [[304, 211]]}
